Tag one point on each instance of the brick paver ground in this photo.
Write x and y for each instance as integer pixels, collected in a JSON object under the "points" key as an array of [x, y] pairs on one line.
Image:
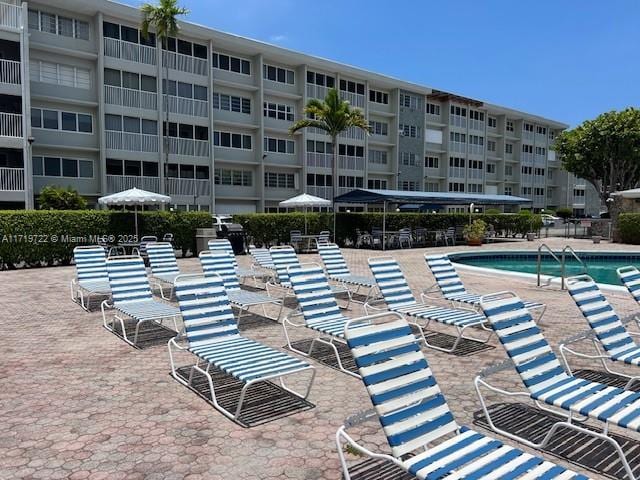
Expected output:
{"points": [[77, 402]]}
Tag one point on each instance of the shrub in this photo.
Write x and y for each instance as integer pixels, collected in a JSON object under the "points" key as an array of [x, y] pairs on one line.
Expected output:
{"points": [[629, 228], [564, 213], [60, 198]]}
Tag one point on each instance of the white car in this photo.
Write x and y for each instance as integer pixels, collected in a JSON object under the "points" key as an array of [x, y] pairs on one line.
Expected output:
{"points": [[219, 220], [549, 220]]}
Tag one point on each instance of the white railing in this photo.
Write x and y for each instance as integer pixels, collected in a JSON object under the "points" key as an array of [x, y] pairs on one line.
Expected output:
{"points": [[184, 63], [118, 183], [10, 72], [343, 190], [434, 118], [188, 186], [476, 149], [10, 125], [188, 146], [128, 97], [527, 135], [458, 147], [526, 157], [476, 124], [354, 99], [186, 106], [10, 16], [458, 121], [132, 142], [475, 173], [457, 172], [353, 133], [11, 179], [319, 160], [316, 91], [323, 192], [350, 163], [133, 52]]}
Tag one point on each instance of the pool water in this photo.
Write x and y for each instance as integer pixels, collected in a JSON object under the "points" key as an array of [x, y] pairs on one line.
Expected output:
{"points": [[601, 266]]}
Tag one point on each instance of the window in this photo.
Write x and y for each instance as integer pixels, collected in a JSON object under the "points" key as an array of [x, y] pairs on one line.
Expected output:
{"points": [[476, 115], [509, 126], [351, 150], [508, 170], [379, 128], [491, 168], [409, 186], [476, 140], [527, 127], [508, 148], [377, 96], [539, 172], [231, 64], [277, 145], [527, 148], [278, 74], [541, 151], [433, 109], [538, 191], [378, 157], [458, 111], [578, 192], [508, 191], [431, 187], [319, 180], [552, 135], [491, 146], [319, 147], [58, 25], [240, 178], [55, 120], [475, 188], [231, 103], [279, 180], [541, 130], [320, 79], [410, 101], [456, 162], [526, 170], [409, 131], [59, 74], [350, 182], [408, 159], [352, 87], [62, 167], [475, 164], [457, 137], [432, 162], [492, 122], [456, 187], [232, 140], [377, 184], [279, 111]]}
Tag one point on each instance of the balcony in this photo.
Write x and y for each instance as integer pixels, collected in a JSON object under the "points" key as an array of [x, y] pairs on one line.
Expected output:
{"points": [[353, 133], [127, 97], [186, 106], [188, 187], [118, 183], [10, 72], [10, 16], [184, 63], [130, 51], [189, 147], [319, 160], [354, 99], [10, 125], [11, 179], [350, 163], [317, 91], [132, 142], [322, 192]]}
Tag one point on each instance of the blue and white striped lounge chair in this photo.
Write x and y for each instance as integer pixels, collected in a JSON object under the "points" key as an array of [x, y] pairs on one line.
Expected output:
{"points": [[220, 262], [225, 245], [262, 257], [449, 283], [132, 297], [91, 275], [611, 339], [399, 298], [212, 336], [548, 384], [337, 270], [630, 278], [424, 437], [164, 267]]}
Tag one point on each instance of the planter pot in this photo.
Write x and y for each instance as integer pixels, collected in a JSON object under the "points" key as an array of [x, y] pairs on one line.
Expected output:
{"points": [[474, 243], [530, 237], [596, 238]]}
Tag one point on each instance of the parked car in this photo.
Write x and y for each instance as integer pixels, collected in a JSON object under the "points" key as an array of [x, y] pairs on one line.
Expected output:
{"points": [[549, 220], [219, 220]]}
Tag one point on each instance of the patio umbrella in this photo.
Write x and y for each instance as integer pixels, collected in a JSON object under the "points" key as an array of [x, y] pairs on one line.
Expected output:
{"points": [[305, 201], [134, 197]]}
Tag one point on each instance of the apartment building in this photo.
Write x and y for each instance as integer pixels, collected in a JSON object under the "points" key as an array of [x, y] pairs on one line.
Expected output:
{"points": [[86, 101]]}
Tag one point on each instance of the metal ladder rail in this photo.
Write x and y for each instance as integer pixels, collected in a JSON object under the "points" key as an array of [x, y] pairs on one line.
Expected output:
{"points": [[542, 247], [568, 248]]}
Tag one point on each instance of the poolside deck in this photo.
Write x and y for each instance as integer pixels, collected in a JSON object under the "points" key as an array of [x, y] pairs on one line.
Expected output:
{"points": [[77, 402]]}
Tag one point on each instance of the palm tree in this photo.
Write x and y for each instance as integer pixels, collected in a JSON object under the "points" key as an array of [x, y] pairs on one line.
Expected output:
{"points": [[163, 20], [333, 116]]}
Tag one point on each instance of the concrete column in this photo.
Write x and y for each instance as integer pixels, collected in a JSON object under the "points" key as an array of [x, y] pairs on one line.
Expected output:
{"points": [[260, 140], [212, 160], [100, 126], [26, 109], [161, 116]]}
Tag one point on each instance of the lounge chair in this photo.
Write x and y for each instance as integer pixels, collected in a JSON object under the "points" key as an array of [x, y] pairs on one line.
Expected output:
{"points": [[424, 437], [262, 258], [225, 245], [449, 283], [91, 275], [547, 383], [398, 297], [220, 262], [630, 278], [212, 336], [164, 267], [612, 341], [337, 270], [132, 297]]}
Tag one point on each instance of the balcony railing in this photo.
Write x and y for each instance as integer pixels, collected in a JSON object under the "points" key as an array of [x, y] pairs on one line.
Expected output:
{"points": [[10, 125], [353, 133], [188, 187], [475, 173], [184, 63], [118, 183], [323, 192], [186, 106], [350, 163], [11, 179], [316, 91], [10, 72], [354, 99], [133, 52], [10, 16], [189, 147], [132, 142], [319, 160], [128, 97]]}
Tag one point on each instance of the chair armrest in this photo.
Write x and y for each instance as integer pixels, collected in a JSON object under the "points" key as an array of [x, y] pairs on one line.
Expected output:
{"points": [[370, 306], [360, 417]]}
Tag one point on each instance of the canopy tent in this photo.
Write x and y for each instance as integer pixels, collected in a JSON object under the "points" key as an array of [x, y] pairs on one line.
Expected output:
{"points": [[305, 201], [368, 196], [134, 197]]}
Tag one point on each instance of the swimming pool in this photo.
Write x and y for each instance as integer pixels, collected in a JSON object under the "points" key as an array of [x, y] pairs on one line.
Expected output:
{"points": [[600, 265]]}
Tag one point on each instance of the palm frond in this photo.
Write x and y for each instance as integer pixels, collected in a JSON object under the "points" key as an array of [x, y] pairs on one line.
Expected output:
{"points": [[307, 122]]}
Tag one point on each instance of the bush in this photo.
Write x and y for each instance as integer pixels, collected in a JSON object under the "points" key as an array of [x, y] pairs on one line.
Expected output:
{"points": [[48, 237], [60, 198], [564, 213], [629, 228]]}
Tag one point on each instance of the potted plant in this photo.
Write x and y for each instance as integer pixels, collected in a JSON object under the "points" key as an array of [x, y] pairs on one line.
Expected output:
{"points": [[474, 232]]}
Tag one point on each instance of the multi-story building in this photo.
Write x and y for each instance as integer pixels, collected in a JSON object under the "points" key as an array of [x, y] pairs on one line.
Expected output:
{"points": [[87, 101]]}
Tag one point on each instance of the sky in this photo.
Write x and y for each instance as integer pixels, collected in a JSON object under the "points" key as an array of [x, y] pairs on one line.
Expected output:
{"points": [[568, 60]]}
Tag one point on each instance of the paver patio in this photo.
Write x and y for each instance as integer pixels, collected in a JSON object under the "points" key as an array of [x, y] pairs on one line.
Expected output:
{"points": [[77, 402]]}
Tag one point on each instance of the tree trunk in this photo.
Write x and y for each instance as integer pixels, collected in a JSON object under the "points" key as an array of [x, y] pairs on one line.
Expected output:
{"points": [[334, 181]]}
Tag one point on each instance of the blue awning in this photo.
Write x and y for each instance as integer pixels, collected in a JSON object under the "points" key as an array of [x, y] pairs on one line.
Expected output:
{"points": [[362, 195]]}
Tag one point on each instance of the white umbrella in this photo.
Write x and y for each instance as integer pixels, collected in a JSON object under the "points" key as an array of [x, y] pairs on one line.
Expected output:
{"points": [[305, 201], [134, 197]]}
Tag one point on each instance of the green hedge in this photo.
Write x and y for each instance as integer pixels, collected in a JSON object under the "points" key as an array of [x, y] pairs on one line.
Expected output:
{"points": [[629, 228], [273, 228], [48, 237]]}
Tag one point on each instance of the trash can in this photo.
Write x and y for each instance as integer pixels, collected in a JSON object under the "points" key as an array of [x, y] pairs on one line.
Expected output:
{"points": [[203, 235], [236, 236]]}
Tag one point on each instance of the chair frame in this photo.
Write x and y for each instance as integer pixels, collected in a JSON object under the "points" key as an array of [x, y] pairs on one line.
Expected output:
{"points": [[160, 281], [77, 290]]}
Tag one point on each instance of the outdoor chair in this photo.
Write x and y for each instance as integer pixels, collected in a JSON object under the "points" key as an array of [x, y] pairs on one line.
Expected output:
{"points": [[141, 250], [337, 270], [164, 267], [323, 238], [91, 275], [424, 437], [362, 239], [630, 278], [220, 262], [168, 238], [404, 238], [212, 335], [132, 297], [224, 244], [547, 383], [398, 297], [450, 236], [295, 239]]}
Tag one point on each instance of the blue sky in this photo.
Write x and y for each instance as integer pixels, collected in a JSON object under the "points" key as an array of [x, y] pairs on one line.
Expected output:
{"points": [[564, 59]]}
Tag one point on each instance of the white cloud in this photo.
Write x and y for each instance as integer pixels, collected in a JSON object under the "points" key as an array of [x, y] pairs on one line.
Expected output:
{"points": [[277, 38]]}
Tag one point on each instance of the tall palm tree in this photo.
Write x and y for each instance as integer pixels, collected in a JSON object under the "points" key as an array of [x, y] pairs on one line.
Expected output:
{"points": [[333, 116], [163, 20]]}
